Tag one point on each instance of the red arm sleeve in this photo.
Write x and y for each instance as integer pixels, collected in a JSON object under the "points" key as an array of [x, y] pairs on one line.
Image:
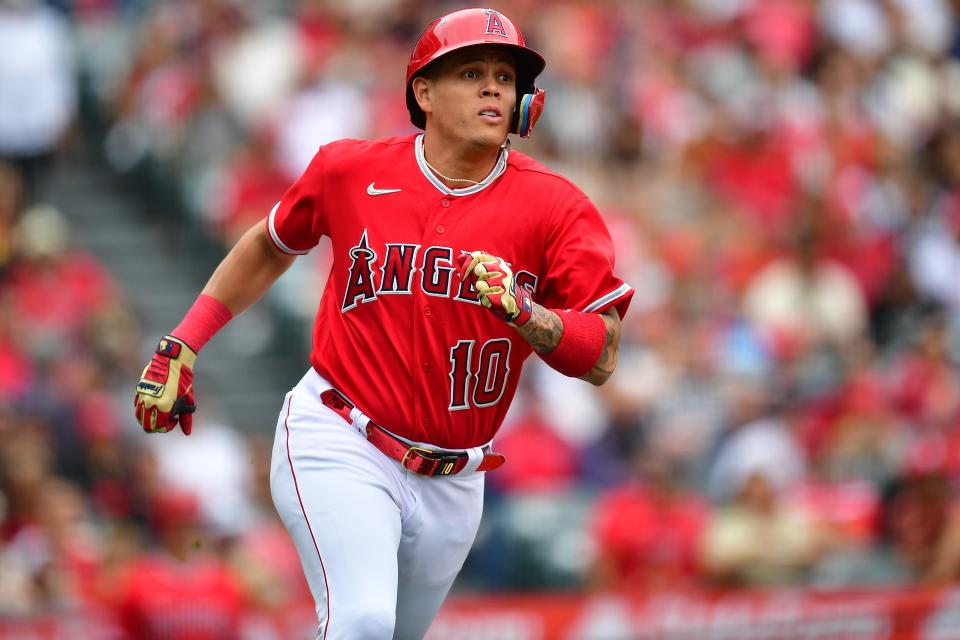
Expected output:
{"points": [[299, 220], [579, 273]]}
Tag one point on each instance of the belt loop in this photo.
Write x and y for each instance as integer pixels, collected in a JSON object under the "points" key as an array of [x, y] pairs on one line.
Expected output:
{"points": [[474, 458], [359, 420]]}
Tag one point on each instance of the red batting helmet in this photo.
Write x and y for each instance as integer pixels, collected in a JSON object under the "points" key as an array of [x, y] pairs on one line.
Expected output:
{"points": [[470, 27]]}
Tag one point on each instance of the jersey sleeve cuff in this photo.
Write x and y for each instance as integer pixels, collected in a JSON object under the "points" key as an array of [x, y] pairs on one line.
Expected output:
{"points": [[271, 227], [619, 297]]}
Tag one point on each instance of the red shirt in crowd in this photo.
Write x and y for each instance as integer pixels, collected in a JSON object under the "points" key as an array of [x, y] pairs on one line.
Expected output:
{"points": [[60, 295], [648, 540], [17, 372], [549, 462], [167, 600]]}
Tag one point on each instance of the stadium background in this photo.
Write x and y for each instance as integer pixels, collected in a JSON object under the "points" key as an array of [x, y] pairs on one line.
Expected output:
{"points": [[778, 453]]}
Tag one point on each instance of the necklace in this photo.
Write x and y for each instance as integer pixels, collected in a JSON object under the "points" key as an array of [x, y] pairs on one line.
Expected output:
{"points": [[434, 169], [505, 145]]}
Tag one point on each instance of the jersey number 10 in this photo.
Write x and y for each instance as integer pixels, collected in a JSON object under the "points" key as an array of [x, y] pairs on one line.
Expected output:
{"points": [[486, 374]]}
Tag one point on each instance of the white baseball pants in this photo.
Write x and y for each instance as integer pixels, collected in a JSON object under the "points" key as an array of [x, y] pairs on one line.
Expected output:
{"points": [[380, 546]]}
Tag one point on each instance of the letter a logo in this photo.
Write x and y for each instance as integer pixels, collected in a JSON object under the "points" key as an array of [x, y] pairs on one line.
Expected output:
{"points": [[360, 277], [495, 24]]}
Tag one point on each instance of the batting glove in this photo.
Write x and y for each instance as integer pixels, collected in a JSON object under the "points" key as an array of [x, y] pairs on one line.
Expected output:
{"points": [[496, 287], [165, 391]]}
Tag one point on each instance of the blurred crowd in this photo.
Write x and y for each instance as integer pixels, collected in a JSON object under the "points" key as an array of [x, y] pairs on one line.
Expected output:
{"points": [[782, 181]]}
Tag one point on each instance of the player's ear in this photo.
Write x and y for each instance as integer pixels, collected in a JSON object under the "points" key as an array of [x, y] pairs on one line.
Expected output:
{"points": [[422, 93]]}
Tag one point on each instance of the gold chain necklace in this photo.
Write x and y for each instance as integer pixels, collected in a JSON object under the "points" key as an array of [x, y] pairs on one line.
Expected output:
{"points": [[505, 145], [434, 169]]}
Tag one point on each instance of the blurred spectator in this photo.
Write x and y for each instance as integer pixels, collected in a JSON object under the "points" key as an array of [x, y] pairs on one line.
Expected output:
{"points": [[327, 107], [858, 435], [250, 186], [181, 591], [549, 463], [46, 545], [37, 95], [17, 370], [804, 299], [105, 467], [648, 532], [688, 416], [263, 558], [919, 526], [899, 312], [11, 201], [847, 510], [570, 409], [759, 541], [213, 464], [925, 382], [163, 86], [924, 526], [257, 65], [934, 248], [26, 462], [859, 25], [57, 290], [61, 545], [763, 446], [18, 592]]}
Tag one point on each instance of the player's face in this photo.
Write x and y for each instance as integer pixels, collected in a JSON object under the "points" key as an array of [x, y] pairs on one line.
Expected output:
{"points": [[472, 95]]}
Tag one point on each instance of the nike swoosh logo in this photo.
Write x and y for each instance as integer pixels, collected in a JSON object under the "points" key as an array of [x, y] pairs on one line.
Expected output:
{"points": [[373, 191]]}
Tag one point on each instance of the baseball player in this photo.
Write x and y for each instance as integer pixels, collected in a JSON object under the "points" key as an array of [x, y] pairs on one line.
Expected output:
{"points": [[455, 258]]}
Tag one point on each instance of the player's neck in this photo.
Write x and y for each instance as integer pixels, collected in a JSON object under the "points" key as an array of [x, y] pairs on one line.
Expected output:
{"points": [[457, 167]]}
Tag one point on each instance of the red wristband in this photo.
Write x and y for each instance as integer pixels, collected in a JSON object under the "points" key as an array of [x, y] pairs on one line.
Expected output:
{"points": [[207, 316], [581, 343]]}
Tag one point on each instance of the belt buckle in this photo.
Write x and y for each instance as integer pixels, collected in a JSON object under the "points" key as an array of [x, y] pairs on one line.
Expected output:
{"points": [[445, 463], [424, 453]]}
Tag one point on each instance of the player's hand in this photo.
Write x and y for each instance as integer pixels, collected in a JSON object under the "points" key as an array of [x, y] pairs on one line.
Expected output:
{"points": [[165, 391], [496, 287]]}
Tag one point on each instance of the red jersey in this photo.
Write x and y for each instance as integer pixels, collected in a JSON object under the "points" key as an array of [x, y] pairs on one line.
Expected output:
{"points": [[396, 330]]}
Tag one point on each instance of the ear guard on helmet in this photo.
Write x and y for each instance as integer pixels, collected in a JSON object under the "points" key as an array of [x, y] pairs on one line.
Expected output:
{"points": [[528, 111]]}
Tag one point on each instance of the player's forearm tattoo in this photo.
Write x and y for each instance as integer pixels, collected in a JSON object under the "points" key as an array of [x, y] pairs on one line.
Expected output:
{"points": [[608, 357], [543, 330]]}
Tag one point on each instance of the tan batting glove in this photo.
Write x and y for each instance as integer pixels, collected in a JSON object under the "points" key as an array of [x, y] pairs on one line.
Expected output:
{"points": [[165, 392], [496, 287]]}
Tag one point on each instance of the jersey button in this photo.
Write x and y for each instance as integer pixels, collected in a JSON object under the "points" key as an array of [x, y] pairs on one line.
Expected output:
{"points": [[445, 203], [426, 366], [440, 228], [427, 311]]}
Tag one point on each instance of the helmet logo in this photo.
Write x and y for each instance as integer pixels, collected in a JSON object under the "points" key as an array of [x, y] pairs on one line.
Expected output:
{"points": [[495, 24]]}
